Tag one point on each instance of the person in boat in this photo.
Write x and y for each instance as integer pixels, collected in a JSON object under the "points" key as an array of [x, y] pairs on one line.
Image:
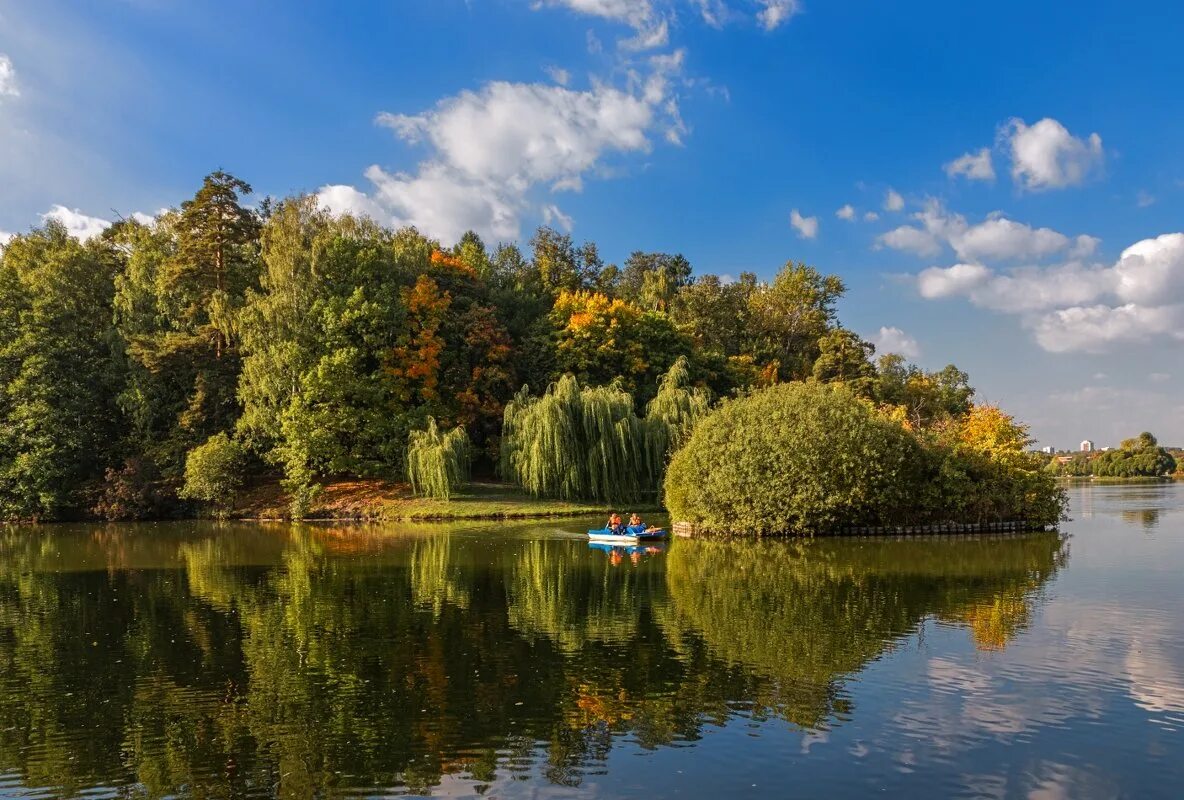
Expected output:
{"points": [[614, 524], [636, 525]]}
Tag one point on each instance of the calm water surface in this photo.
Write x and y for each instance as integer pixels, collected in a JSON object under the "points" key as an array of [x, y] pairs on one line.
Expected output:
{"points": [[201, 660]]}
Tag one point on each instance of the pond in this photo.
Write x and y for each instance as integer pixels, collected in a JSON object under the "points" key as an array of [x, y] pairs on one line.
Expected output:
{"points": [[514, 660]]}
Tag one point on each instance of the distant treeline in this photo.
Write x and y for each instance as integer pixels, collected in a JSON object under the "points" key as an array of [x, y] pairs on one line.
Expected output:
{"points": [[1139, 457], [304, 346]]}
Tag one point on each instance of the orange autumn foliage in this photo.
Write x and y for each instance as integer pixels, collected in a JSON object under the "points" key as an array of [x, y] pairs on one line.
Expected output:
{"points": [[417, 360], [442, 259]]}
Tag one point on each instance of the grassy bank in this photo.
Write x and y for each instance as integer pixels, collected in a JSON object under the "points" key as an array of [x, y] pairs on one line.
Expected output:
{"points": [[386, 500]]}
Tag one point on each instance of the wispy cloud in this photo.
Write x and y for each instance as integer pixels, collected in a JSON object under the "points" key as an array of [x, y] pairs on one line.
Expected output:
{"points": [[972, 166]]}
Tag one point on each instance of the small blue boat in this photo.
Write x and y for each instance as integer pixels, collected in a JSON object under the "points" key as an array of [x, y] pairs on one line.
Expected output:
{"points": [[630, 535]]}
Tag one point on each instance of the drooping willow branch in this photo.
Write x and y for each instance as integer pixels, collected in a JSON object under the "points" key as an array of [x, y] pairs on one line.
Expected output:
{"points": [[437, 462], [588, 443]]}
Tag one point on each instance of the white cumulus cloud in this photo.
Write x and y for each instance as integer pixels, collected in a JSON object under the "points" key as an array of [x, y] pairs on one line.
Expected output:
{"points": [[894, 340], [443, 203], [1077, 306], [960, 279], [847, 212], [491, 150], [807, 227], [1152, 271], [893, 201], [80, 226], [1025, 289], [527, 133], [973, 166], [1095, 329], [342, 199], [1002, 238], [911, 240], [8, 86], [995, 238], [1046, 156]]}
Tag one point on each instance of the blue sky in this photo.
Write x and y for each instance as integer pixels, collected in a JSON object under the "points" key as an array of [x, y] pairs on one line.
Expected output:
{"points": [[700, 126]]}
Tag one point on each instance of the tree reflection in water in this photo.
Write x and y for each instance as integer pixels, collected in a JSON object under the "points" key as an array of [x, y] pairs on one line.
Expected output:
{"points": [[295, 661]]}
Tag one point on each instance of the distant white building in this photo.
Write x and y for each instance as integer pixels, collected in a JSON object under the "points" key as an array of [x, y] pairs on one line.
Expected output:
{"points": [[1050, 450], [1087, 446]]}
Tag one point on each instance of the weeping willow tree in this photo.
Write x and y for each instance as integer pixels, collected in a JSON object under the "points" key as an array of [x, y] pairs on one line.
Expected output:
{"points": [[437, 462], [588, 443], [677, 406]]}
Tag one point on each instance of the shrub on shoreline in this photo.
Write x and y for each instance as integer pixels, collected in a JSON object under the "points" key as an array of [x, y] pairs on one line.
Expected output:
{"points": [[214, 473], [808, 457]]}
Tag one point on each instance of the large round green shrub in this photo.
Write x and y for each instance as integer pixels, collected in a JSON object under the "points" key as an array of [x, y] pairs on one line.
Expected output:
{"points": [[214, 472], [795, 458]]}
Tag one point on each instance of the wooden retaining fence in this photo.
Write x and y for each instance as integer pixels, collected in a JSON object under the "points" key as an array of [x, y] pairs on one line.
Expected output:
{"points": [[691, 529]]}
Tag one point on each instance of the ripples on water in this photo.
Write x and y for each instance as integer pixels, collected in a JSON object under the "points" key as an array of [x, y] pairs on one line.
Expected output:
{"points": [[258, 661]]}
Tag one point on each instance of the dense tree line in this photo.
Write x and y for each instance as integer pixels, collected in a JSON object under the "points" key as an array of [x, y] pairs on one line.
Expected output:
{"points": [[306, 346]]}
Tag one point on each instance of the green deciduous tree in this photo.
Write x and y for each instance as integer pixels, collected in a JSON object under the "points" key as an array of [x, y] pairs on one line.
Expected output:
{"points": [[561, 264], [789, 316], [844, 357], [317, 397], [214, 473], [922, 398], [653, 280], [1138, 457], [600, 339], [60, 371]]}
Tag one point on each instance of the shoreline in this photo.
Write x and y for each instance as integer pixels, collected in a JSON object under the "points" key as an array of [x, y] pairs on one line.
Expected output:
{"points": [[387, 501]]}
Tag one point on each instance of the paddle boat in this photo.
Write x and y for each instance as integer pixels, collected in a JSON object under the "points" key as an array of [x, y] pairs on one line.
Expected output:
{"points": [[630, 535]]}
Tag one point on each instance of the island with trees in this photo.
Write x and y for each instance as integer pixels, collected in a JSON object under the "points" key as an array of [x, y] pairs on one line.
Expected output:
{"points": [[184, 364]]}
